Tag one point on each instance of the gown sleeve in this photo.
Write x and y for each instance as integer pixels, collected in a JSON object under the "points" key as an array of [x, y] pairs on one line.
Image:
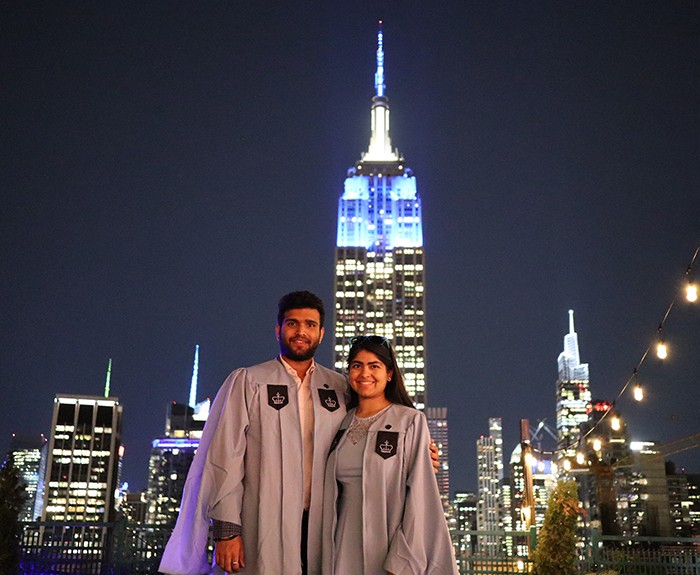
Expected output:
{"points": [[421, 544], [214, 485]]}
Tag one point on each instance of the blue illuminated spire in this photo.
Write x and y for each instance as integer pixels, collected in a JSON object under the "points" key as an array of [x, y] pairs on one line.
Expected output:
{"points": [[379, 142], [379, 86], [193, 385]]}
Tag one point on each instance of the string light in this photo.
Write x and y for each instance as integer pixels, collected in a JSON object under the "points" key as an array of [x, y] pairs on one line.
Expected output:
{"points": [[661, 350], [638, 392], [615, 423], [597, 444]]}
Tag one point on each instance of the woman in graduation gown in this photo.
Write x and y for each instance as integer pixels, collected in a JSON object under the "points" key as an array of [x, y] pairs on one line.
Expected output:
{"points": [[382, 511]]}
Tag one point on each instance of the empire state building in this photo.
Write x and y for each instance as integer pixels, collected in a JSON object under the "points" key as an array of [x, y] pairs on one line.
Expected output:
{"points": [[379, 262]]}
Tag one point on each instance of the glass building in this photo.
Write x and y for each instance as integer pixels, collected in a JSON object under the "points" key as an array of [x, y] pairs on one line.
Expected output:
{"points": [[83, 459], [489, 452], [573, 393], [82, 475], [170, 461], [172, 454], [28, 454], [379, 266], [437, 424]]}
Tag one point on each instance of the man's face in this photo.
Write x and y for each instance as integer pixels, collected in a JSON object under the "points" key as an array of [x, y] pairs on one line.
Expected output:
{"points": [[300, 334]]}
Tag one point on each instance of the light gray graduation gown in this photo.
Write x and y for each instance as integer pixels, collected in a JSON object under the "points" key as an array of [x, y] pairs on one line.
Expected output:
{"points": [[404, 527], [248, 470]]}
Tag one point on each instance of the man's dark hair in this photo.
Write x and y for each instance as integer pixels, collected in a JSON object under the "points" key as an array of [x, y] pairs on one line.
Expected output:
{"points": [[300, 300]]}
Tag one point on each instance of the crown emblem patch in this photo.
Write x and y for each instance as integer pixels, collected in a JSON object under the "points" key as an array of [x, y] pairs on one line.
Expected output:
{"points": [[387, 444], [277, 396], [329, 399]]}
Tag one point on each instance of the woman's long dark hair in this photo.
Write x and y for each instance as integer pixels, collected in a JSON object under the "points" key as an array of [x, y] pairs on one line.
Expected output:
{"points": [[395, 390]]}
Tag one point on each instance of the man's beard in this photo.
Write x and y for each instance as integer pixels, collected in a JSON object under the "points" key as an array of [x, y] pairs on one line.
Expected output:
{"points": [[294, 356]]}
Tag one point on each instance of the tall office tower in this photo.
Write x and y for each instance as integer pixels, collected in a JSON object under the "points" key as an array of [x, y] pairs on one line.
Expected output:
{"points": [[603, 491], [463, 519], [490, 476], [649, 508], [28, 454], [694, 500], [172, 455], [573, 393], [83, 458], [379, 272], [678, 500], [82, 473], [437, 423]]}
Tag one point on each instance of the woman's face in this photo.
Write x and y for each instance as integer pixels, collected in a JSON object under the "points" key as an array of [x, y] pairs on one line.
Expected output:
{"points": [[368, 375]]}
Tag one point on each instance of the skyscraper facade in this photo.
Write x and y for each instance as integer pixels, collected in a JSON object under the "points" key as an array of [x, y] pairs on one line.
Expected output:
{"points": [[379, 266], [173, 453], [573, 393], [82, 475], [463, 519], [28, 454], [83, 458], [170, 461], [489, 452], [437, 424], [603, 490]]}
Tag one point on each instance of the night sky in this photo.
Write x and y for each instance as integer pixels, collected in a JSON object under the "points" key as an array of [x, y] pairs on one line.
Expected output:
{"points": [[169, 169]]}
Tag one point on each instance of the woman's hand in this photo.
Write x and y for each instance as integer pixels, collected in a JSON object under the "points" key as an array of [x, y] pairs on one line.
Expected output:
{"points": [[229, 554], [434, 456]]}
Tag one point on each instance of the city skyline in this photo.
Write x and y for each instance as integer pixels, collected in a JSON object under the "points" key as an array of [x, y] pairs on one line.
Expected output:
{"points": [[164, 189]]}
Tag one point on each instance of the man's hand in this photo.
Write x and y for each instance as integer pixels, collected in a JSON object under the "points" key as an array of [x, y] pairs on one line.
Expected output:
{"points": [[229, 554], [434, 456]]}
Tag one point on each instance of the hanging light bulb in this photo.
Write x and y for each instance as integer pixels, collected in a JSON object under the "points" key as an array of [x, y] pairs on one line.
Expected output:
{"points": [[530, 460], [661, 350], [567, 465], [597, 444], [638, 392], [691, 292], [615, 423], [580, 459]]}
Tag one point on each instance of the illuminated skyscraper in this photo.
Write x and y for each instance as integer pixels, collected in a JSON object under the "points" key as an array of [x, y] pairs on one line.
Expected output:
{"points": [[437, 423], [379, 271], [573, 393], [172, 455], [28, 454], [463, 519], [84, 452], [82, 476], [489, 452]]}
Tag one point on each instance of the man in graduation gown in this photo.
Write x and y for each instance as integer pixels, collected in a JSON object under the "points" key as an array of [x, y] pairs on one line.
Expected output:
{"points": [[258, 472]]}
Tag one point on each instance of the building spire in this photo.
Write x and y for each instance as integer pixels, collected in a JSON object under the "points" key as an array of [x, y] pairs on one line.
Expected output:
{"points": [[379, 142], [571, 321], [109, 377], [193, 384], [379, 86]]}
